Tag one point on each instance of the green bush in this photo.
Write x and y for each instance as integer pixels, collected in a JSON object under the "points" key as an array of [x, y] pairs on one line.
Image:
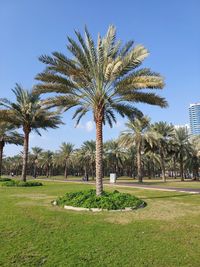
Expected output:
{"points": [[5, 179], [21, 183], [109, 201]]}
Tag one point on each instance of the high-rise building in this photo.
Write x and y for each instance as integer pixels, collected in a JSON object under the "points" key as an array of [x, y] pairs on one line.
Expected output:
{"points": [[194, 114]]}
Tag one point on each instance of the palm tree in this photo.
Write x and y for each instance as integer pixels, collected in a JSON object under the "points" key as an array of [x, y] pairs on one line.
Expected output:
{"points": [[36, 153], [8, 136], [194, 158], [101, 78], [130, 161], [163, 133], [46, 161], [181, 142], [116, 154], [31, 114], [66, 150], [136, 134]]}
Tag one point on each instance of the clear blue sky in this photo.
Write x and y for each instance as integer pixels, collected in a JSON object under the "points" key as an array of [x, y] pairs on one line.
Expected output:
{"points": [[169, 29]]}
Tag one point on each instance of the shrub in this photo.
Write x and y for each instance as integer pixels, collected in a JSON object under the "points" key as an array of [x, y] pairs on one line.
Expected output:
{"points": [[5, 179], [21, 183], [9, 183], [108, 200], [29, 184]]}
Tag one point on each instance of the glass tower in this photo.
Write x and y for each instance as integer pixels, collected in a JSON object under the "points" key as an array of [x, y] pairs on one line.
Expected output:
{"points": [[194, 114]]}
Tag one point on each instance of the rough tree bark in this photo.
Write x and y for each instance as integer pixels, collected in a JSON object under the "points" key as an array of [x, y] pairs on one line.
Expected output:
{"points": [[2, 143], [99, 157], [163, 165], [139, 162], [181, 168], [65, 169], [25, 153]]}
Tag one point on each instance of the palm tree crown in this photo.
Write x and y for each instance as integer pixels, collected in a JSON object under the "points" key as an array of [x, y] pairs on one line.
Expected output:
{"points": [[28, 112], [101, 78]]}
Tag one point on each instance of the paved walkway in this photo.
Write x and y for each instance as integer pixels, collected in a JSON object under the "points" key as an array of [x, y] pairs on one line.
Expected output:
{"points": [[134, 185], [161, 188]]}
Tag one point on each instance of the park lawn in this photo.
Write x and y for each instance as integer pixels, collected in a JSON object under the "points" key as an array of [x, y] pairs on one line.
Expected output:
{"points": [[177, 183], [34, 233]]}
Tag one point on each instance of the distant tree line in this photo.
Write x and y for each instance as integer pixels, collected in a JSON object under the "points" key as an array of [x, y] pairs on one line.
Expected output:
{"points": [[142, 150]]}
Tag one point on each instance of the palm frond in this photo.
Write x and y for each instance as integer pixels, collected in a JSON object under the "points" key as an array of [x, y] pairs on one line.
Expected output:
{"points": [[148, 98]]}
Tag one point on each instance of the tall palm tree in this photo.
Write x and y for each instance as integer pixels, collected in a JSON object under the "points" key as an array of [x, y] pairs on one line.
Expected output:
{"points": [[136, 134], [163, 133], [101, 78], [66, 150], [36, 151], [8, 135], [31, 114]]}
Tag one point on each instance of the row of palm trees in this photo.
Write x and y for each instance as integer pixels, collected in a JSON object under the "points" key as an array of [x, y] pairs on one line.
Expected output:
{"points": [[103, 78], [142, 149]]}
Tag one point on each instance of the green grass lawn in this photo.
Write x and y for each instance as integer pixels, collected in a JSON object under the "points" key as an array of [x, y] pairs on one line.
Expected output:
{"points": [[34, 233], [146, 181]]}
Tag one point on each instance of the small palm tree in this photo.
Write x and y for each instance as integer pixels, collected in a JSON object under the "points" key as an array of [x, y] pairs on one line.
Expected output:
{"points": [[163, 133], [136, 134], [8, 136], [31, 114], [66, 150], [101, 78]]}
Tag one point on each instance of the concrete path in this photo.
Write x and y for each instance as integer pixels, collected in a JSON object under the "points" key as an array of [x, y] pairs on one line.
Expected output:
{"points": [[161, 188], [133, 185]]}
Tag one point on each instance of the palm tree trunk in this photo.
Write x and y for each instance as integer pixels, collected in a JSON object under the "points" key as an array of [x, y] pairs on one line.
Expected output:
{"points": [[99, 158], [92, 171], [25, 155], [35, 171], [47, 172], [1, 155], [163, 166], [174, 167], [181, 168], [139, 163], [65, 170], [50, 171]]}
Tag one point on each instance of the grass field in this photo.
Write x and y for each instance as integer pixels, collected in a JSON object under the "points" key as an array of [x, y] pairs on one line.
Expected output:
{"points": [[34, 233], [146, 181]]}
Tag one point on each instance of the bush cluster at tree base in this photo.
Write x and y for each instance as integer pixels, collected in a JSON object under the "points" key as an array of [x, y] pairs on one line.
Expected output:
{"points": [[21, 183], [108, 200]]}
